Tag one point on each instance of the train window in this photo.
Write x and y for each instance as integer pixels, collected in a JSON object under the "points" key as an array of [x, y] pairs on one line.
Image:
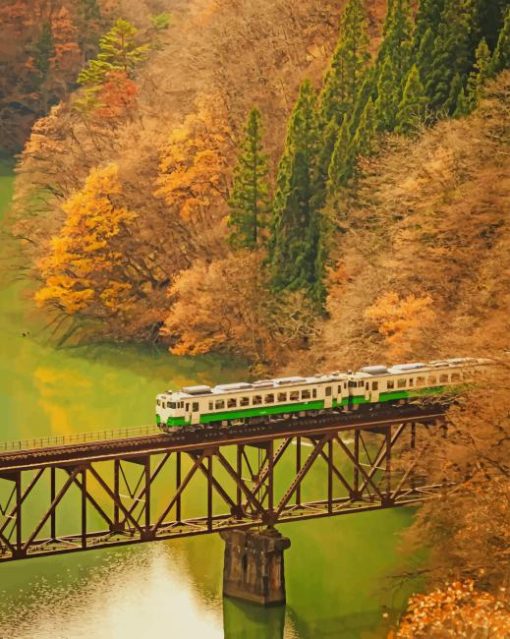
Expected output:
{"points": [[411, 381], [181, 404], [375, 386], [172, 405], [352, 384], [244, 401], [455, 377], [294, 396], [443, 379], [367, 386], [360, 384], [314, 393], [231, 402], [195, 407], [432, 380], [282, 397], [220, 403], [420, 381], [269, 399], [158, 402], [328, 391], [390, 384], [257, 400], [187, 406], [305, 394], [211, 405], [339, 390], [345, 384], [401, 383]]}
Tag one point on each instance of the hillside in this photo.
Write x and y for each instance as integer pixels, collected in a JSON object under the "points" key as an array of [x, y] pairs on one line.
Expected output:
{"points": [[423, 261]]}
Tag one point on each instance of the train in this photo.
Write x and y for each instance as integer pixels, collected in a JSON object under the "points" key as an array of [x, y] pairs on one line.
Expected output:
{"points": [[227, 405]]}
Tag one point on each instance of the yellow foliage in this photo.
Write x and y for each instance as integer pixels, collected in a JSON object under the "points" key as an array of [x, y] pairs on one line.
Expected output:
{"points": [[400, 320], [194, 162], [82, 267], [457, 610]]}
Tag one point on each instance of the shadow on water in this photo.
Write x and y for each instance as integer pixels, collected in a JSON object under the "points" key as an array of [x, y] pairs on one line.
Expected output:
{"points": [[247, 621]]}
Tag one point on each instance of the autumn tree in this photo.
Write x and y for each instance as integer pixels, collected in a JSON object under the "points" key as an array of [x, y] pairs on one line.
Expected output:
{"points": [[249, 200], [457, 609], [401, 321], [83, 271]]}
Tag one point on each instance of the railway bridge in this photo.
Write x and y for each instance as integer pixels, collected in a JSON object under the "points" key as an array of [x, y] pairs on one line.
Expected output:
{"points": [[126, 487]]}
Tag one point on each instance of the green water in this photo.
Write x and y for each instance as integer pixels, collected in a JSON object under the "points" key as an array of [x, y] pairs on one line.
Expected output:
{"points": [[336, 568]]}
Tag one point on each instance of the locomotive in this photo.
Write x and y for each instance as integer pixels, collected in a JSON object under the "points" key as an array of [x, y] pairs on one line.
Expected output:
{"points": [[264, 400]]}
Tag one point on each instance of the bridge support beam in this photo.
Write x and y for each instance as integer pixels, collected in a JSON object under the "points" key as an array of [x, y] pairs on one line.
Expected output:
{"points": [[254, 567]]}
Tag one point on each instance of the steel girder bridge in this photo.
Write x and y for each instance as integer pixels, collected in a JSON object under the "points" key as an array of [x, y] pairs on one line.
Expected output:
{"points": [[74, 497]]}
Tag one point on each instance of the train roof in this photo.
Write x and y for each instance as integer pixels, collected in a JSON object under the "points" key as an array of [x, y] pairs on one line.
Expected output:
{"points": [[365, 372]]}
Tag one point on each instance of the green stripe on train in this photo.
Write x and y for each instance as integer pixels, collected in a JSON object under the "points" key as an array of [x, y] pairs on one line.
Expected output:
{"points": [[209, 418]]}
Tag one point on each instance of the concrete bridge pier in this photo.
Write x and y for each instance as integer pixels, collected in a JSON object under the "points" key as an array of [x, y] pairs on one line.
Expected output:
{"points": [[254, 567]]}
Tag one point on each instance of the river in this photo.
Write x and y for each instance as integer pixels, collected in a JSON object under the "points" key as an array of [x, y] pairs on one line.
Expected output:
{"points": [[336, 569]]}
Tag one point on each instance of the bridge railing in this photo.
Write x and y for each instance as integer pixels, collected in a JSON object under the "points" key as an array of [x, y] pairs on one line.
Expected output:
{"points": [[78, 438]]}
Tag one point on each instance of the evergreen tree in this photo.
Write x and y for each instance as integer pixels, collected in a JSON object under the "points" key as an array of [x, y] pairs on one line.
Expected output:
{"points": [[348, 64], [388, 98], [463, 106], [457, 101], [491, 15], [249, 203], [425, 55], [118, 51], [412, 108], [428, 18], [479, 75], [44, 50], [397, 42], [501, 57], [341, 166], [364, 138], [453, 51], [295, 241]]}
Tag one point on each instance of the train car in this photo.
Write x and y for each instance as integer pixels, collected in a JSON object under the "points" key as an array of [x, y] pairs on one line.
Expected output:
{"points": [[260, 401]]}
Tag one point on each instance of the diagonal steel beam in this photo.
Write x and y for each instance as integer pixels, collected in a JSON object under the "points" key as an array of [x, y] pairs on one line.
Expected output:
{"points": [[368, 480], [240, 483], [302, 473], [382, 455]]}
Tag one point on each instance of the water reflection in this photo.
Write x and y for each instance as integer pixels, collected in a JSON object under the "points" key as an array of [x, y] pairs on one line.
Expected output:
{"points": [[149, 595]]}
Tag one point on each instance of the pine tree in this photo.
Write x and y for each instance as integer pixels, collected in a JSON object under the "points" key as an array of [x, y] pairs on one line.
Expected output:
{"points": [[118, 51], [295, 241], [453, 51], [388, 98], [342, 161], [425, 55], [412, 108], [348, 64], [428, 18], [44, 50], [249, 203], [501, 57], [457, 102], [364, 138], [398, 37], [479, 75]]}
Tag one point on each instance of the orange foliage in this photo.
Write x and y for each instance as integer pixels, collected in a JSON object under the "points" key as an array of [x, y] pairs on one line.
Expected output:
{"points": [[117, 96], [68, 55], [194, 163], [457, 610], [83, 267], [401, 320]]}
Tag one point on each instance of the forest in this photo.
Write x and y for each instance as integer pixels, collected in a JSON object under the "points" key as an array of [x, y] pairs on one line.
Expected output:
{"points": [[304, 185]]}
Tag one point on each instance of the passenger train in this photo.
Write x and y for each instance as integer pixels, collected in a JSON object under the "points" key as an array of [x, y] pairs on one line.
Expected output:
{"points": [[265, 400]]}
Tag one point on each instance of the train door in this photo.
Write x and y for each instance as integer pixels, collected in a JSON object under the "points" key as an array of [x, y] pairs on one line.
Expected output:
{"points": [[374, 391], [195, 413], [328, 397]]}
